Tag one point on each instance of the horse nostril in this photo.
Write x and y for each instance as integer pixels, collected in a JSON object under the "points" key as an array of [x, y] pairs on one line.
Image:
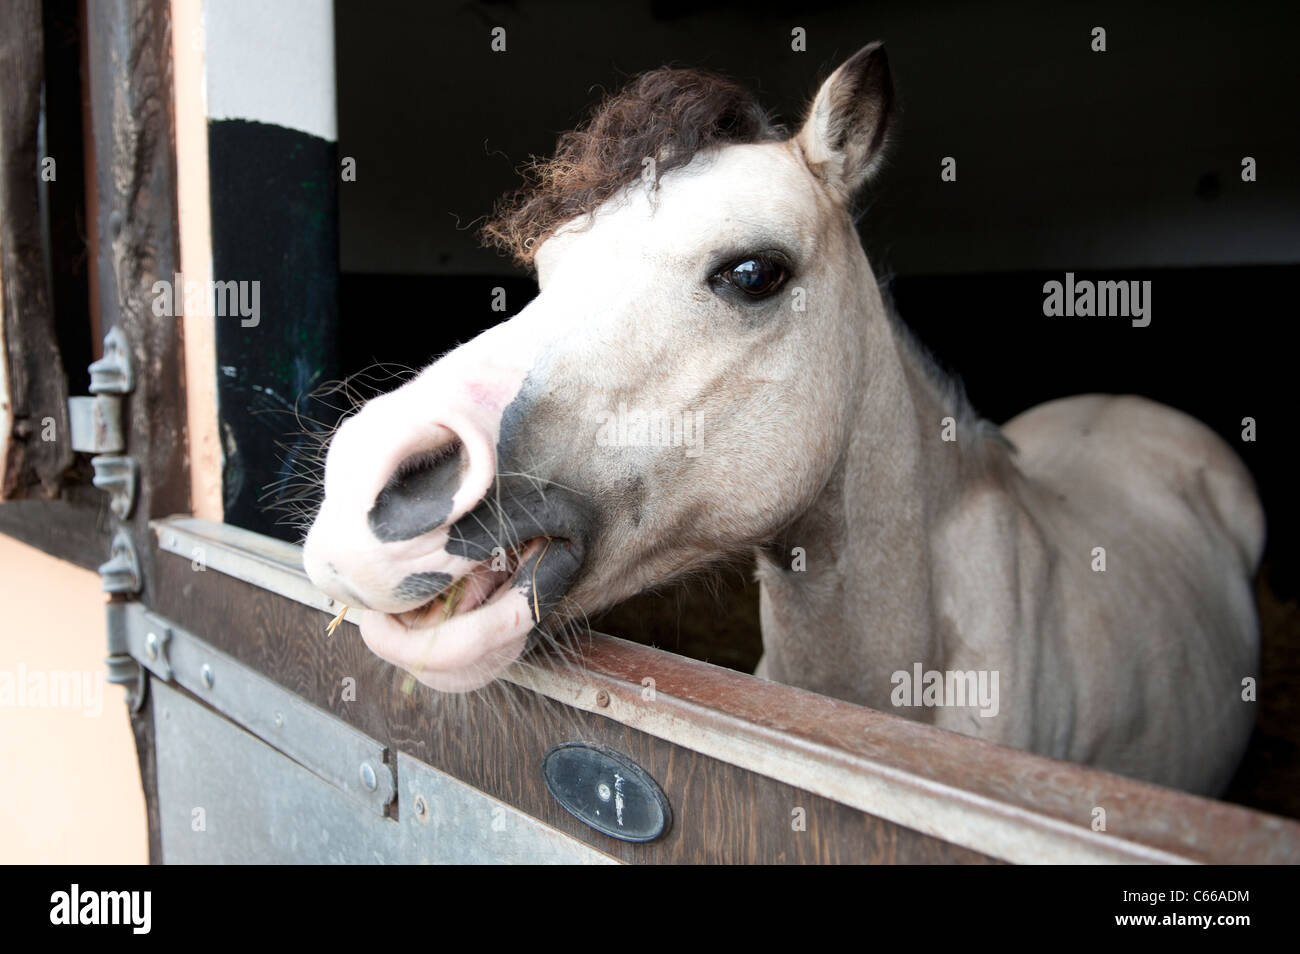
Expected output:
{"points": [[418, 496]]}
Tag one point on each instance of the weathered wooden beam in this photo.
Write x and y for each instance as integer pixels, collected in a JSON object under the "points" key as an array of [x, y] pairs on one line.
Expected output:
{"points": [[129, 59], [129, 66], [35, 451], [77, 527]]}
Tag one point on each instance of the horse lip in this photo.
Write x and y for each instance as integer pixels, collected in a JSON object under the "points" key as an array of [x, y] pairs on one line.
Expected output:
{"points": [[470, 590], [553, 523], [547, 573], [519, 508]]}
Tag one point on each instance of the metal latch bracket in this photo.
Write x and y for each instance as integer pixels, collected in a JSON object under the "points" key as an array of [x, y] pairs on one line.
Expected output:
{"points": [[96, 426]]}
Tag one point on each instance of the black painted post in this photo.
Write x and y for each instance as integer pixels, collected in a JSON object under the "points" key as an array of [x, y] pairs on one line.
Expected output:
{"points": [[273, 176]]}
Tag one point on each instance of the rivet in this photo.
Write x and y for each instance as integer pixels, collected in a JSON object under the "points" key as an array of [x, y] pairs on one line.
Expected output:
{"points": [[602, 698], [421, 806], [151, 645], [279, 720], [368, 777], [206, 675], [603, 791]]}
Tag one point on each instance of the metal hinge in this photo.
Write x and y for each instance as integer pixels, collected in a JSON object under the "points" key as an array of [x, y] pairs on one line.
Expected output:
{"points": [[96, 424], [123, 670], [96, 428], [121, 574]]}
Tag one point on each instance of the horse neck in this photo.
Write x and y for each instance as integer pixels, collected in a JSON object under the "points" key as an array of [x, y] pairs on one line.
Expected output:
{"points": [[863, 607]]}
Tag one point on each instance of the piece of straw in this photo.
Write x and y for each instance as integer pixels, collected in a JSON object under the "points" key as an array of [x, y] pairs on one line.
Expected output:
{"points": [[455, 593], [334, 623], [537, 609]]}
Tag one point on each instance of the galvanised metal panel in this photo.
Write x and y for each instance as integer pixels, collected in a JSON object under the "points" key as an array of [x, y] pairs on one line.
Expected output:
{"points": [[226, 797]]}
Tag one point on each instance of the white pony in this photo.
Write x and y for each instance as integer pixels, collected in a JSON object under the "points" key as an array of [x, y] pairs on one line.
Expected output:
{"points": [[1092, 559]]}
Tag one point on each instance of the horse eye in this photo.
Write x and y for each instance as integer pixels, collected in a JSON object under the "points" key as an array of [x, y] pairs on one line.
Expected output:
{"points": [[757, 277]]}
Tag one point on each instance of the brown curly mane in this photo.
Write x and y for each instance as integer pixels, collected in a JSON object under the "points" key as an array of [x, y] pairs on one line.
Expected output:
{"points": [[668, 114]]}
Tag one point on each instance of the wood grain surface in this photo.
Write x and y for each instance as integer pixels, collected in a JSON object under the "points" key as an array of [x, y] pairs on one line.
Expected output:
{"points": [[495, 739]]}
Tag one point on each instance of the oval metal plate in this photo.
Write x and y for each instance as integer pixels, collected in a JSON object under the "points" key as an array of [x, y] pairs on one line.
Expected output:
{"points": [[607, 790]]}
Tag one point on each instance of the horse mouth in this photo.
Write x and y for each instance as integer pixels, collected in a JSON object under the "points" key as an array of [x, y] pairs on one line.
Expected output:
{"points": [[482, 585], [476, 626]]}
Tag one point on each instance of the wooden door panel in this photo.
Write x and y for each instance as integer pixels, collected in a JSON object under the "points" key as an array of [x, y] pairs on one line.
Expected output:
{"points": [[741, 760]]}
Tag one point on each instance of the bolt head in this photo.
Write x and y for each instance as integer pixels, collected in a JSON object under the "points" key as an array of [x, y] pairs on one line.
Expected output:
{"points": [[207, 676], [368, 778], [151, 645]]}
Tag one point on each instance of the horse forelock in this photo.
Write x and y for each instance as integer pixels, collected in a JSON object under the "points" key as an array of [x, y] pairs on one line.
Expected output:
{"points": [[668, 115]]}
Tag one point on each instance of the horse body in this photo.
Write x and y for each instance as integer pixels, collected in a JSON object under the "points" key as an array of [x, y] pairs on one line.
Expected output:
{"points": [[973, 556], [480, 500]]}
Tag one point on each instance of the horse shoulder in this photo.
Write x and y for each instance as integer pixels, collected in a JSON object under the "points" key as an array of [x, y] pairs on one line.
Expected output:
{"points": [[994, 579]]}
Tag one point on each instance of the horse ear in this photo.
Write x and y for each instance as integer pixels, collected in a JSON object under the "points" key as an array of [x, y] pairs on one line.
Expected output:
{"points": [[843, 136]]}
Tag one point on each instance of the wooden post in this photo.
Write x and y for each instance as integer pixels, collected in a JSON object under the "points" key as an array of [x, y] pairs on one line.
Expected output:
{"points": [[130, 73], [35, 399]]}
